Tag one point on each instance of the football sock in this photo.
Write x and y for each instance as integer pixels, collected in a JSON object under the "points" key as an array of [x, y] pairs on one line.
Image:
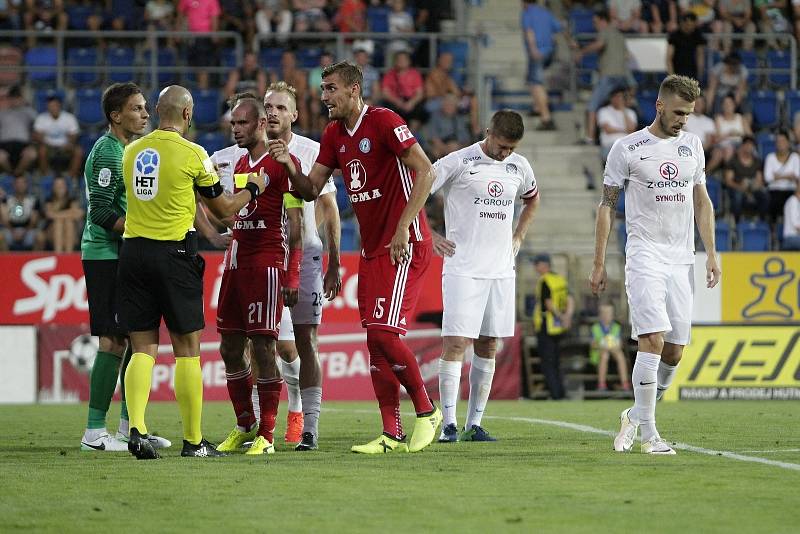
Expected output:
{"points": [[240, 387], [449, 386], [312, 401], [404, 365], [123, 412], [481, 373], [645, 376], [138, 380], [666, 373], [269, 393], [102, 383], [256, 407], [387, 391], [189, 394], [291, 375]]}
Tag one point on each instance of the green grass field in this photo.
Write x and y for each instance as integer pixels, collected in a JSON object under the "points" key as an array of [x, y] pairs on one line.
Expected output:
{"points": [[539, 477]]}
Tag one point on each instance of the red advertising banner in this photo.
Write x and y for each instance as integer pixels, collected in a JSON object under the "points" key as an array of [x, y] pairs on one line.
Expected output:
{"points": [[66, 354], [41, 289]]}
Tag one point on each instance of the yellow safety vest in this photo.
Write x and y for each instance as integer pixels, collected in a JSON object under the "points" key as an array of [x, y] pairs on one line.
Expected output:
{"points": [[559, 294]]}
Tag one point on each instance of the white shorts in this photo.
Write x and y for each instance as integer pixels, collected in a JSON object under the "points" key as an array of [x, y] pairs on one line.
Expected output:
{"points": [[478, 306], [308, 309], [660, 299]]}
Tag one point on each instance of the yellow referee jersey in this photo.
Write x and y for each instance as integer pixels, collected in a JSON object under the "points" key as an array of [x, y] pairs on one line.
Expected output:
{"points": [[160, 171]]}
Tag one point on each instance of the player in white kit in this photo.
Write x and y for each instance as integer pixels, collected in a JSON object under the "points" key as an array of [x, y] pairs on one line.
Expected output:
{"points": [[298, 328], [480, 184], [662, 169]]}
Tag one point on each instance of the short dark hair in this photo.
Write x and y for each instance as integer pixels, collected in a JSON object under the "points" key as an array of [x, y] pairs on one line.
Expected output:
{"points": [[115, 96], [350, 73], [689, 17], [508, 124], [234, 99], [256, 104]]}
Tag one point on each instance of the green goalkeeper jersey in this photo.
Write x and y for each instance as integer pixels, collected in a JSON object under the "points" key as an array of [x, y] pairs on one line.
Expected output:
{"points": [[106, 201]]}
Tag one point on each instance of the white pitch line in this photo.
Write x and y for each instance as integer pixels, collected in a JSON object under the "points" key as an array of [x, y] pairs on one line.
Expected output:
{"points": [[773, 451], [593, 430]]}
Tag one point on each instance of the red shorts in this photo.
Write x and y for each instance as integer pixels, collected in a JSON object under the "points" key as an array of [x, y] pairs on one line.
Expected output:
{"points": [[388, 293], [250, 301]]}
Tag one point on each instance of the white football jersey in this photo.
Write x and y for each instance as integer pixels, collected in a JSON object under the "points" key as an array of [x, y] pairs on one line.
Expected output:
{"points": [[659, 176], [479, 194]]}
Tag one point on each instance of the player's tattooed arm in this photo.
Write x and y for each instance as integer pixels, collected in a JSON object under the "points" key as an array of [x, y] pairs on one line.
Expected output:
{"points": [[610, 196]]}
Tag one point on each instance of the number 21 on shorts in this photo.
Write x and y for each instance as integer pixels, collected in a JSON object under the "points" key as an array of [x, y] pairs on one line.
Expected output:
{"points": [[378, 312], [254, 309]]}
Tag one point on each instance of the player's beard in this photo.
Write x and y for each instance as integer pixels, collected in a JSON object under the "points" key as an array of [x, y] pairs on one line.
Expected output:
{"points": [[666, 127]]}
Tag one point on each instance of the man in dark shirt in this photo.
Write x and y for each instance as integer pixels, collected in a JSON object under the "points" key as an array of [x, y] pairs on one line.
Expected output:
{"points": [[686, 49]]}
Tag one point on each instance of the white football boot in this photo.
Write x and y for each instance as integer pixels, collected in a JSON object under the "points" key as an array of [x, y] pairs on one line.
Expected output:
{"points": [[627, 432], [156, 441], [657, 445], [101, 441]]}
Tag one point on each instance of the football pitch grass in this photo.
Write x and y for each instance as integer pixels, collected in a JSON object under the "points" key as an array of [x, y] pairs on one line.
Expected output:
{"points": [[552, 470]]}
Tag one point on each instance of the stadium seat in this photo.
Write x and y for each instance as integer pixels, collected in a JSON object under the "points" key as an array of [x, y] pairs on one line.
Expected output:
{"points": [[780, 61], [792, 100], [308, 58], [164, 58], [581, 21], [83, 57], [766, 144], [754, 236], [349, 242], [647, 106], [714, 188], [7, 183], [87, 141], [722, 233], [270, 58], [206, 108], [120, 56], [77, 15], [765, 109], [622, 236], [228, 58], [586, 68], [42, 56], [40, 97], [88, 109], [45, 187], [460, 51], [378, 19], [212, 141], [750, 60]]}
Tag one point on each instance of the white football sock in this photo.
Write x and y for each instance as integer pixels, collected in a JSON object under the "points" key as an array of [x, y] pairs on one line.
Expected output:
{"points": [[291, 375], [666, 373], [480, 384], [256, 405], [449, 387], [645, 377], [312, 400]]}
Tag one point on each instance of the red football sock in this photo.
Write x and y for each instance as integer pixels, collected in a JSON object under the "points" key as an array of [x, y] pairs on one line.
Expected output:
{"points": [[239, 386], [387, 391], [269, 393], [404, 365]]}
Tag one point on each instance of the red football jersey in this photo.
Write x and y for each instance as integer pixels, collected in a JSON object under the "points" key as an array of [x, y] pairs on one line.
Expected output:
{"points": [[259, 229], [377, 182]]}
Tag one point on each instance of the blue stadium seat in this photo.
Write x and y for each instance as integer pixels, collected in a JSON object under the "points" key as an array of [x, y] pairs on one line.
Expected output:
{"points": [[750, 60], [779, 235], [42, 56], [77, 15], [378, 19], [212, 141], [722, 232], [622, 236], [754, 236], [766, 144], [647, 106], [581, 21], [40, 97], [87, 141], [308, 58], [460, 51], [714, 188], [350, 241], [206, 107], [779, 59], [45, 186], [228, 58], [88, 109], [165, 58], [120, 56], [792, 99], [83, 57], [7, 183], [270, 58], [587, 67], [765, 109]]}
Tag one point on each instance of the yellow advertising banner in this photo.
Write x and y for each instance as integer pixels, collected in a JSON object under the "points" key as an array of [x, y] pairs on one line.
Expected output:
{"points": [[739, 362], [760, 287]]}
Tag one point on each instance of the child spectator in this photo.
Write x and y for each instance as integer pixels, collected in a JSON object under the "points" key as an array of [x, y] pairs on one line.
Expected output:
{"points": [[607, 341]]}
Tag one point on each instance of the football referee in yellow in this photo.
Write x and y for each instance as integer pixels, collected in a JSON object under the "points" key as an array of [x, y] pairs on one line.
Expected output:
{"points": [[160, 272]]}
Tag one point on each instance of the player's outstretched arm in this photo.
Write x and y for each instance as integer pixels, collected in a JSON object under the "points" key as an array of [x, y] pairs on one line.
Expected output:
{"points": [[524, 222], [207, 230], [602, 229], [294, 216], [223, 205], [309, 186], [328, 214], [414, 158], [704, 216]]}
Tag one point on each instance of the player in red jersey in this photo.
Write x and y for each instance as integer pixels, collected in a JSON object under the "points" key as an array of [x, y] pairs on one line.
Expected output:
{"points": [[261, 272], [388, 178]]}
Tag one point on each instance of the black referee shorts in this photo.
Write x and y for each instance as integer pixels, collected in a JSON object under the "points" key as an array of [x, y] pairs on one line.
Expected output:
{"points": [[101, 290], [160, 279]]}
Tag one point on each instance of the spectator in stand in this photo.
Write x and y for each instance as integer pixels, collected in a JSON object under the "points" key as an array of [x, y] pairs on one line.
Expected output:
{"points": [[731, 128], [773, 17], [403, 90], [238, 16], [20, 216], [429, 16], [319, 113], [56, 134], [273, 17], [660, 15], [201, 16], [298, 78], [745, 182], [439, 83], [706, 15], [17, 153], [400, 22], [626, 15], [728, 78], [606, 342], [615, 121], [371, 91], [159, 15], [782, 174], [10, 15], [309, 16], [63, 217], [791, 222], [705, 128], [249, 78], [686, 49], [10, 56], [447, 130], [612, 67], [539, 28], [44, 15], [736, 16], [125, 15], [351, 17]]}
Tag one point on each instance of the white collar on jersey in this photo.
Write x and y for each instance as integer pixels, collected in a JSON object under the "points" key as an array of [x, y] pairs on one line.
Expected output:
{"points": [[358, 122], [254, 163]]}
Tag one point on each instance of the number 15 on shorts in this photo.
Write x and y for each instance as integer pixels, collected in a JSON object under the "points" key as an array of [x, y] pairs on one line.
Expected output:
{"points": [[378, 312]]}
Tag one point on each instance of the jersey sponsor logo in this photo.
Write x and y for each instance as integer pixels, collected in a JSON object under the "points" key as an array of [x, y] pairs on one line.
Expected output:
{"points": [[403, 133], [471, 158], [495, 189], [511, 168], [684, 151], [637, 144], [677, 197], [249, 225], [145, 174], [358, 175], [365, 145], [104, 177], [668, 171], [249, 209], [493, 201], [343, 149], [364, 196], [498, 215], [666, 183]]}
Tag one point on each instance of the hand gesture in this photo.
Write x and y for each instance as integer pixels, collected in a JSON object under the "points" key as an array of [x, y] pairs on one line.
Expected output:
{"points": [[279, 151], [441, 246], [332, 282], [259, 180], [399, 251], [597, 280]]}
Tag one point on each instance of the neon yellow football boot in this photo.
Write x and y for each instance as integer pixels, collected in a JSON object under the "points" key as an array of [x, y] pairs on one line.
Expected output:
{"points": [[261, 446], [425, 430], [383, 444], [236, 438]]}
